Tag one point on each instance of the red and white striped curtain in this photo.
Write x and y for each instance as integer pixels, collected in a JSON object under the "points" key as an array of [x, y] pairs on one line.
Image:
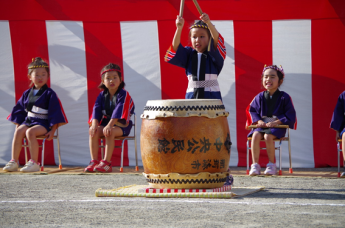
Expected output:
{"points": [[78, 38]]}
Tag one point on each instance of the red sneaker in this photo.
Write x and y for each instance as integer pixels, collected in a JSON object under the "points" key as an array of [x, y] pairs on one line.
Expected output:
{"points": [[103, 167], [91, 166]]}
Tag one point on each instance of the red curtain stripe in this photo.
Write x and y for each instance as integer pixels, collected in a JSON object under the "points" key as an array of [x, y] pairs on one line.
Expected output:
{"points": [[328, 82], [253, 49], [29, 40], [102, 46]]}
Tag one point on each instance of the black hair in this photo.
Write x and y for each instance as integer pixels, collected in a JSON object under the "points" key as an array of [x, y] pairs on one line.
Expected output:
{"points": [[280, 74], [37, 62], [200, 24], [117, 68]]}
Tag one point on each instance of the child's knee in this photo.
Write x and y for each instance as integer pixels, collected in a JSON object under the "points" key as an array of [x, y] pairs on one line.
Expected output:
{"points": [[111, 135], [269, 137], [256, 136], [29, 133], [20, 132]]}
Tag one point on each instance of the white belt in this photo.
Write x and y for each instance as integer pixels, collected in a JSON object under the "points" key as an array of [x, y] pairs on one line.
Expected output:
{"points": [[39, 116], [202, 84], [39, 110], [269, 119]]}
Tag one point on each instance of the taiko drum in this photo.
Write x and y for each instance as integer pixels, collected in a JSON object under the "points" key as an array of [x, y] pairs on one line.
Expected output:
{"points": [[185, 143]]}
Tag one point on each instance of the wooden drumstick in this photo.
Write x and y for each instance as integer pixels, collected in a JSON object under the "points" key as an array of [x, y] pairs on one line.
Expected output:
{"points": [[197, 6], [200, 11], [181, 9], [277, 126]]}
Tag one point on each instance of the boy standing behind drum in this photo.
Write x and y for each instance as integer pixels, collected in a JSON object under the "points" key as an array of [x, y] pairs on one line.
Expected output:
{"points": [[203, 61]]}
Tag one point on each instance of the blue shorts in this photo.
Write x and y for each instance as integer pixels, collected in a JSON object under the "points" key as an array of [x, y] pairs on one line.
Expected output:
{"points": [[125, 130], [30, 122], [31, 125]]}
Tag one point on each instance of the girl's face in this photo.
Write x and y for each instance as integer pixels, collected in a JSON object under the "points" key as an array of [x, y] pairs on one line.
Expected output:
{"points": [[199, 38], [39, 77], [270, 80], [112, 80]]}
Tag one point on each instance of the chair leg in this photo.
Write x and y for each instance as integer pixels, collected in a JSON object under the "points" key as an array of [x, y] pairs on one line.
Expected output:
{"points": [[102, 149], [248, 148], [58, 144], [289, 143], [280, 158], [136, 155], [122, 151], [26, 151], [338, 145], [135, 143], [43, 147]]}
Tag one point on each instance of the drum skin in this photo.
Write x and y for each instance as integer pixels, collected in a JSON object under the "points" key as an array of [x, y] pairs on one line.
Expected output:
{"points": [[185, 145]]}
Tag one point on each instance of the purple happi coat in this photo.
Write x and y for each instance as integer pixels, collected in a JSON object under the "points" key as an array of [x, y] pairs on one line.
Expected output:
{"points": [[338, 118], [123, 108], [43, 109], [283, 109], [202, 71]]}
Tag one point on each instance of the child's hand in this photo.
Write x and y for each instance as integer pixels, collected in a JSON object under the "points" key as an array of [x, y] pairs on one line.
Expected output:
{"points": [[205, 18], [107, 131], [49, 135], [92, 130], [272, 124], [261, 124], [179, 22]]}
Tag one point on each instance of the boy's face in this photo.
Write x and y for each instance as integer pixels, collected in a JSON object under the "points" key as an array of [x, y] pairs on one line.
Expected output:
{"points": [[199, 38]]}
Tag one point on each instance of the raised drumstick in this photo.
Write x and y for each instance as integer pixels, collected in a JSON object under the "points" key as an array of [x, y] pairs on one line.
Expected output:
{"points": [[200, 11], [181, 8], [197, 6]]}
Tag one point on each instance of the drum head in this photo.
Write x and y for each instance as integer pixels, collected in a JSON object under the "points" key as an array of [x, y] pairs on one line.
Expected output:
{"points": [[211, 108]]}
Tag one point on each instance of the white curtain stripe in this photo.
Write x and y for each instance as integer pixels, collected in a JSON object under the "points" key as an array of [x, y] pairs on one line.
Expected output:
{"points": [[7, 92], [66, 48], [141, 68], [292, 50], [227, 84]]}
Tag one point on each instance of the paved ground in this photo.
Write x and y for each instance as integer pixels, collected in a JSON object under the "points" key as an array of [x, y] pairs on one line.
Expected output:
{"points": [[69, 201]]}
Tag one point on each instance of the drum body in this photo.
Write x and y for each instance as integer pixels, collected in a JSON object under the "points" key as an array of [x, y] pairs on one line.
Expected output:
{"points": [[185, 139]]}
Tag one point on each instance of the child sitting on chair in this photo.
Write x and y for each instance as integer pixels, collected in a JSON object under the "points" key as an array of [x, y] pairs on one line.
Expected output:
{"points": [[267, 110], [38, 112], [338, 123], [110, 117]]}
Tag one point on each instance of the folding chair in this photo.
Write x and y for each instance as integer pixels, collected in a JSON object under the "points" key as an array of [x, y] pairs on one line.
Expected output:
{"points": [[56, 136], [339, 150], [287, 138], [123, 139]]}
